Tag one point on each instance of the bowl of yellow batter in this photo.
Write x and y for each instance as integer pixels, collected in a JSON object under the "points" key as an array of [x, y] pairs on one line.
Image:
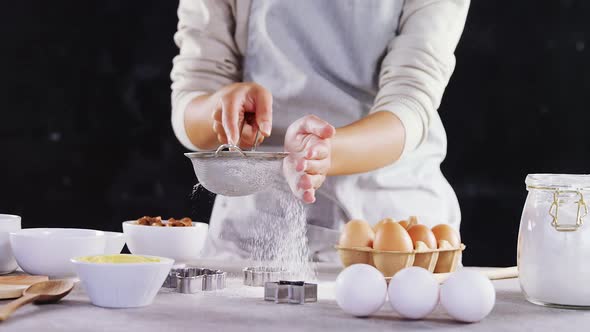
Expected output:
{"points": [[122, 281]]}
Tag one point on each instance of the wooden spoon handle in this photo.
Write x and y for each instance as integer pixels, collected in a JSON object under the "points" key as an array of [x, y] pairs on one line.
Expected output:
{"points": [[493, 274], [502, 273], [7, 309]]}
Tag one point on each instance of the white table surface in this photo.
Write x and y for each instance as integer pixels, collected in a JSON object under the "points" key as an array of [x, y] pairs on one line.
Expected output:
{"points": [[240, 308]]}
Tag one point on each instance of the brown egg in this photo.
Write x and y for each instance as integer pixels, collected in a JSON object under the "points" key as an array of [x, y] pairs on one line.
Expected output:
{"points": [[413, 220], [424, 234], [448, 233], [404, 223], [357, 233], [381, 222], [392, 237]]}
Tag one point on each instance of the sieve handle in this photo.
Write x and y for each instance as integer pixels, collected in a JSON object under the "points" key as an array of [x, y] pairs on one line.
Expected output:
{"points": [[231, 147], [235, 147], [255, 140], [250, 116]]}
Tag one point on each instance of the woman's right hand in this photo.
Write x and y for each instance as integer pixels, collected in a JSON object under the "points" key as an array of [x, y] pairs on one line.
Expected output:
{"points": [[247, 103]]}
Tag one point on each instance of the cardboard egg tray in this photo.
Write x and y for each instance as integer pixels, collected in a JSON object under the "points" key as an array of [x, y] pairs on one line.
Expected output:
{"points": [[442, 260]]}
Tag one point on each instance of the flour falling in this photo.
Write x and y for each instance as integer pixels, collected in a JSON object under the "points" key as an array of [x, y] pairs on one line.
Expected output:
{"points": [[280, 239], [276, 235]]}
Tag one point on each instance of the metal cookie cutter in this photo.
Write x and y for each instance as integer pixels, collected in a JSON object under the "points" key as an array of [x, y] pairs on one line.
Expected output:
{"points": [[296, 292], [190, 280], [171, 280], [259, 276]]}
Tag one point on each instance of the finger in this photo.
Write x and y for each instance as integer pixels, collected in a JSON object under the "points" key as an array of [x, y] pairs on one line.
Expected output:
{"points": [[308, 181], [247, 136], [218, 127], [317, 180], [231, 113], [305, 182], [314, 125], [318, 151], [317, 166], [222, 138], [309, 196], [217, 115], [263, 104], [300, 164]]}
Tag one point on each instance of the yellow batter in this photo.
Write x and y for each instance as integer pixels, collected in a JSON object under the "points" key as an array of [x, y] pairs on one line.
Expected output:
{"points": [[118, 259]]}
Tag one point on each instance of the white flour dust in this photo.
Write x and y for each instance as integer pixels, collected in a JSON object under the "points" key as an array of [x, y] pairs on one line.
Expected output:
{"points": [[280, 237], [278, 234]]}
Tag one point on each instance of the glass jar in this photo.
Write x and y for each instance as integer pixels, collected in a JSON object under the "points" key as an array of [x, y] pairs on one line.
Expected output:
{"points": [[554, 241]]}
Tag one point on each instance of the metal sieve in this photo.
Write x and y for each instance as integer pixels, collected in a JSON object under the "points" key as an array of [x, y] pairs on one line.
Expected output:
{"points": [[236, 172]]}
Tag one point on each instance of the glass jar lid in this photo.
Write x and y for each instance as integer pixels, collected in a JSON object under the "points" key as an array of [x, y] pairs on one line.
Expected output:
{"points": [[558, 181]]}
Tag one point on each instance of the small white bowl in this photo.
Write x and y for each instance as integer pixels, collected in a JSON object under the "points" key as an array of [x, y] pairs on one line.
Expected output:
{"points": [[8, 223], [122, 285], [183, 244], [47, 251], [115, 241]]}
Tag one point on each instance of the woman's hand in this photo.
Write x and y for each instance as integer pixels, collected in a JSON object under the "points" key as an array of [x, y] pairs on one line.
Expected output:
{"points": [[247, 103], [308, 141]]}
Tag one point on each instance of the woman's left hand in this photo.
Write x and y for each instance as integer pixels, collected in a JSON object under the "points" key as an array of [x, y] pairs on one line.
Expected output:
{"points": [[308, 141]]}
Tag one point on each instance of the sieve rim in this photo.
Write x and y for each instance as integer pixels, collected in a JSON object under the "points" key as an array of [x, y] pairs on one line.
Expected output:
{"points": [[237, 155]]}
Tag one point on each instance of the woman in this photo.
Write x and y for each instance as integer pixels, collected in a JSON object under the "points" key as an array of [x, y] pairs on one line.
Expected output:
{"points": [[350, 88]]}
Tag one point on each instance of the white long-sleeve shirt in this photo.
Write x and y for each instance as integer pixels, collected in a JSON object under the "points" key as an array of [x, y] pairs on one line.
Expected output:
{"points": [[212, 37], [339, 60]]}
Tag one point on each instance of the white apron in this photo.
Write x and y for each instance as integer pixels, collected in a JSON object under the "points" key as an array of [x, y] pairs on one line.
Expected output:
{"points": [[323, 57]]}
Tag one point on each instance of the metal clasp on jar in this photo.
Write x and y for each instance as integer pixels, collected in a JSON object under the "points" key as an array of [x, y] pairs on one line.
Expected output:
{"points": [[580, 214]]}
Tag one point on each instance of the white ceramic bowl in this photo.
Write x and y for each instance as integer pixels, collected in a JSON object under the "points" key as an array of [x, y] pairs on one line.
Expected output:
{"points": [[47, 251], [183, 244], [115, 241], [122, 285], [8, 223]]}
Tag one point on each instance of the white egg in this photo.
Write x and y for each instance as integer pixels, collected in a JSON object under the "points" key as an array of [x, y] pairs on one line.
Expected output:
{"points": [[360, 290], [468, 296], [413, 292]]}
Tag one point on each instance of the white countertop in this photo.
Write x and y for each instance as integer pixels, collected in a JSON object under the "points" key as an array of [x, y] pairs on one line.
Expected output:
{"points": [[239, 308]]}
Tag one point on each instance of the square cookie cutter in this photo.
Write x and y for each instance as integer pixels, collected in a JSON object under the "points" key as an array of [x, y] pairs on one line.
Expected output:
{"points": [[295, 292], [190, 280], [259, 276]]}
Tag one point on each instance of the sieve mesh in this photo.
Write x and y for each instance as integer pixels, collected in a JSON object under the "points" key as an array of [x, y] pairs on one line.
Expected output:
{"points": [[232, 173]]}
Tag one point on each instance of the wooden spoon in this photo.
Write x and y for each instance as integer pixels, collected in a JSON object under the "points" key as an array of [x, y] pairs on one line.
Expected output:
{"points": [[43, 292]]}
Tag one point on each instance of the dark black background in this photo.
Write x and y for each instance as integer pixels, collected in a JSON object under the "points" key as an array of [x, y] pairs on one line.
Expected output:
{"points": [[86, 140]]}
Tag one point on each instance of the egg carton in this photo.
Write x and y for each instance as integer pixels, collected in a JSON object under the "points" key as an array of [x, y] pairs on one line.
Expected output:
{"points": [[442, 260]]}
